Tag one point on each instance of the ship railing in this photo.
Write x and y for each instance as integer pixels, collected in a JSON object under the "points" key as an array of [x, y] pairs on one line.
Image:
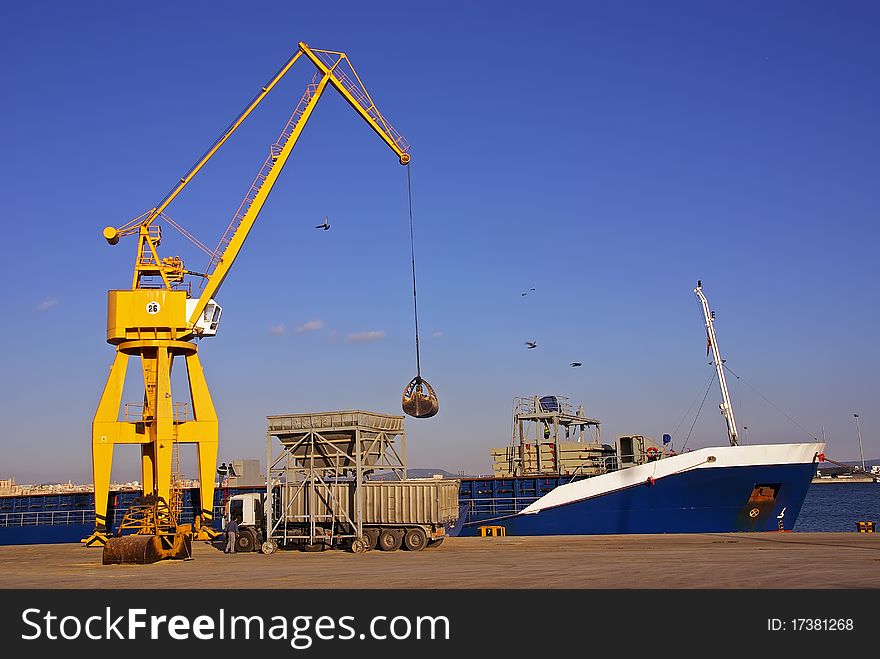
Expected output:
{"points": [[499, 505], [68, 517], [524, 405], [602, 465], [47, 518], [592, 466]]}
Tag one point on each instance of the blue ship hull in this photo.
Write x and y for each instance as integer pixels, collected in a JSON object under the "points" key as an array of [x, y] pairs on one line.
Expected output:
{"points": [[57, 518], [698, 501], [44, 534]]}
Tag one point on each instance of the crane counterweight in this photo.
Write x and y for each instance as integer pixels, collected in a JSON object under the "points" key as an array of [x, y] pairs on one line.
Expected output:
{"points": [[111, 235]]}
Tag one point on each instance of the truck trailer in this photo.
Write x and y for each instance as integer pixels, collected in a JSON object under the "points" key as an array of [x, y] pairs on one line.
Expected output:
{"points": [[312, 516]]}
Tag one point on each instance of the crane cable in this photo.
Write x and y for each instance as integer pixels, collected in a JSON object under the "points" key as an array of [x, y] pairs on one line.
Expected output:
{"points": [[700, 409], [419, 399], [770, 402], [412, 249], [685, 415]]}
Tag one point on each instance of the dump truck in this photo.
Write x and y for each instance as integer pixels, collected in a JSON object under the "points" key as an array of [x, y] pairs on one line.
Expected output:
{"points": [[312, 516]]}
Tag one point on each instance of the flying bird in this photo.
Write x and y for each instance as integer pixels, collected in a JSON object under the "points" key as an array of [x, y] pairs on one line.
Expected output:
{"points": [[527, 292], [531, 344], [324, 226], [575, 364]]}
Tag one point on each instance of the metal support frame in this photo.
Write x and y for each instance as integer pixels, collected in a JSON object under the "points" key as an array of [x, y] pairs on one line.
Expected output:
{"points": [[314, 460], [531, 421]]}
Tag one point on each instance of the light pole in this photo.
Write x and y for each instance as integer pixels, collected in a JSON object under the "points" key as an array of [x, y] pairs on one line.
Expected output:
{"points": [[859, 429]]}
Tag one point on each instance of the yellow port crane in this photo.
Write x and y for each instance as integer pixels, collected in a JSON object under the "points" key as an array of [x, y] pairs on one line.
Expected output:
{"points": [[159, 319]]}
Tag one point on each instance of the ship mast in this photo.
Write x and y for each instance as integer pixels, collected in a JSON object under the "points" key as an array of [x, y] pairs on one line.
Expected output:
{"points": [[726, 407]]}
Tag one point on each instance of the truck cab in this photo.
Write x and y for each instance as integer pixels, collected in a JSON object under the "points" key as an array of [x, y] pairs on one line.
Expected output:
{"points": [[248, 509]]}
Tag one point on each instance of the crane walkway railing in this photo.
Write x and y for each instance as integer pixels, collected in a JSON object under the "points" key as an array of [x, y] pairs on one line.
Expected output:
{"points": [[134, 412], [352, 84], [274, 151], [146, 256]]}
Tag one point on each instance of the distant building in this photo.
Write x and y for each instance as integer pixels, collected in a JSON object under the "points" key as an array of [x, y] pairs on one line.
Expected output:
{"points": [[244, 473]]}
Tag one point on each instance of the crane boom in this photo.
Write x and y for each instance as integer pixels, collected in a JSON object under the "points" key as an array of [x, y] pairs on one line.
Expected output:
{"points": [[171, 271], [231, 245], [243, 221], [356, 95], [112, 235]]}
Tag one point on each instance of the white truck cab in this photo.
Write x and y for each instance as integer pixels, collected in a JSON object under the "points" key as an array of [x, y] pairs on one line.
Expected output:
{"points": [[248, 510]]}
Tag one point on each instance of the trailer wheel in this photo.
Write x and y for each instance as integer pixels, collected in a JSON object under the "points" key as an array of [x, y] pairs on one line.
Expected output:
{"points": [[390, 539], [415, 539], [311, 547], [371, 536], [359, 546], [269, 547]]}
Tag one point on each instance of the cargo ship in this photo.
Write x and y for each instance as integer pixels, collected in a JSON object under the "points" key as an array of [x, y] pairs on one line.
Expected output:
{"points": [[559, 484], [558, 478]]}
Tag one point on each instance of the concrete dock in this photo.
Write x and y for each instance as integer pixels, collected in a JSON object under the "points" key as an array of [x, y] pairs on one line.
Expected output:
{"points": [[678, 561]]}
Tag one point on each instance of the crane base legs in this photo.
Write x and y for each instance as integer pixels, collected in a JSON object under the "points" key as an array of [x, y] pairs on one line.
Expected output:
{"points": [[158, 427]]}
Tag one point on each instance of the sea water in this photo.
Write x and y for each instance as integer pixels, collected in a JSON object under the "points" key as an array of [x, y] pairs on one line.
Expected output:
{"points": [[838, 506]]}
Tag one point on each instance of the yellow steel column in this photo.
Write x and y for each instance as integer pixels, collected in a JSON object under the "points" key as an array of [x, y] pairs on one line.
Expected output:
{"points": [[148, 468], [149, 368], [164, 423], [206, 443], [103, 437]]}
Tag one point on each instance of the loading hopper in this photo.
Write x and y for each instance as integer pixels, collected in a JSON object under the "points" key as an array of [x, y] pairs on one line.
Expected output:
{"points": [[335, 440]]}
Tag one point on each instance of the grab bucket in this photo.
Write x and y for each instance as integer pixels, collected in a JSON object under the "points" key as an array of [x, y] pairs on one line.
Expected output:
{"points": [[419, 399]]}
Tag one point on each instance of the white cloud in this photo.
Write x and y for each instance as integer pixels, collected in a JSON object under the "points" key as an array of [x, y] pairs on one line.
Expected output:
{"points": [[437, 334], [366, 337], [310, 326], [277, 330], [47, 304]]}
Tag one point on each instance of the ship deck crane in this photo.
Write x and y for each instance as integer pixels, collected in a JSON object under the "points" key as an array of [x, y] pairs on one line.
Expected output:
{"points": [[712, 343], [158, 319]]}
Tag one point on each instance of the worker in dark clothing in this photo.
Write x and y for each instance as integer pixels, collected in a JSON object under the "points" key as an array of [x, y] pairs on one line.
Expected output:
{"points": [[231, 533]]}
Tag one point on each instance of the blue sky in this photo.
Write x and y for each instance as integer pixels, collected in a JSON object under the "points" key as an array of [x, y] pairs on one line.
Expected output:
{"points": [[606, 154]]}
